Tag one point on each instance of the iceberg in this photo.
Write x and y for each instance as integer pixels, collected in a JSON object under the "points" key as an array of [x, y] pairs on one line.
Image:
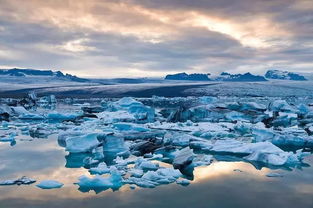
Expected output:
{"points": [[281, 105], [148, 142], [7, 139], [181, 139], [310, 130], [116, 116], [252, 106], [20, 181], [127, 102], [237, 116], [202, 160], [144, 147], [146, 165], [207, 99], [129, 127], [142, 113], [239, 147], [135, 172], [114, 145], [261, 135], [152, 179], [59, 117], [19, 110], [183, 182], [183, 158], [101, 169], [83, 143], [99, 183], [93, 109], [162, 176], [31, 117], [76, 160], [272, 155]]}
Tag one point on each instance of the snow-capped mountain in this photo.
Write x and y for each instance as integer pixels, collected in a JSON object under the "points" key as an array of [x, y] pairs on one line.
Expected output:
{"points": [[189, 77], [247, 77], [307, 75], [227, 77], [40, 73], [284, 75]]}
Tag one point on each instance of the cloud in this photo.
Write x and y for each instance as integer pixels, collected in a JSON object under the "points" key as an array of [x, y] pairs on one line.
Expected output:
{"points": [[145, 37]]}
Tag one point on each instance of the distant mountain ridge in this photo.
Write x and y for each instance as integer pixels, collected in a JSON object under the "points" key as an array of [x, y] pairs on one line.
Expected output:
{"points": [[190, 77], [284, 75], [34, 72], [226, 77], [247, 77]]}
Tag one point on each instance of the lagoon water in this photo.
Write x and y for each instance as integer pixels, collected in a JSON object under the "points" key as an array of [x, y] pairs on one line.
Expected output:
{"points": [[214, 186]]}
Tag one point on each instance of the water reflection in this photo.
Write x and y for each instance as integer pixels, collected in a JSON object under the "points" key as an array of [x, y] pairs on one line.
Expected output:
{"points": [[76, 160], [44, 159]]}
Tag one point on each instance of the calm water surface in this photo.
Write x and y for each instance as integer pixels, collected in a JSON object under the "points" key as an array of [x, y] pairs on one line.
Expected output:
{"points": [[215, 186]]}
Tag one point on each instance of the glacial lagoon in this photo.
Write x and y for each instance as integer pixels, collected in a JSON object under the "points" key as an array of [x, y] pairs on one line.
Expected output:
{"points": [[188, 162]]}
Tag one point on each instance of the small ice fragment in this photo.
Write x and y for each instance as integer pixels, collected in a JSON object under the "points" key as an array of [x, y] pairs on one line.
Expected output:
{"points": [[7, 139], [137, 173], [55, 116], [271, 175], [19, 110], [98, 183], [183, 182], [101, 169], [132, 186], [49, 184], [147, 165], [21, 181]]}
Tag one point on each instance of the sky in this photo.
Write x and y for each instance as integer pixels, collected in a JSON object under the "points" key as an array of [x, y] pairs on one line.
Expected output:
{"points": [[152, 38]]}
